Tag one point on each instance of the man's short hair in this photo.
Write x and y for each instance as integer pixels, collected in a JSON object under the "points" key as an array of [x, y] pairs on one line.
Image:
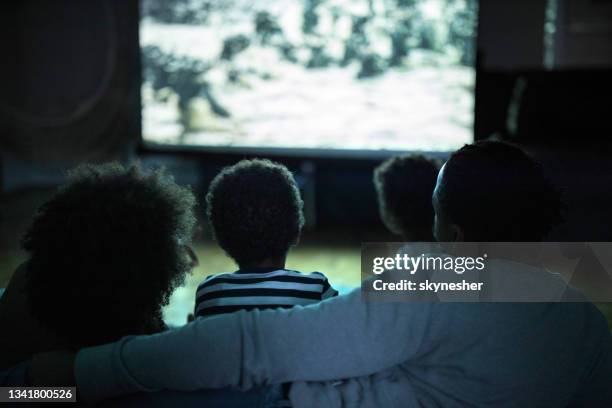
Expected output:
{"points": [[404, 186], [106, 252], [255, 210], [496, 192]]}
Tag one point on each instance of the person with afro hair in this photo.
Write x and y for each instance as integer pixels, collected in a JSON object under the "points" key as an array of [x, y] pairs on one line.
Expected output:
{"points": [[255, 211], [104, 254], [404, 186]]}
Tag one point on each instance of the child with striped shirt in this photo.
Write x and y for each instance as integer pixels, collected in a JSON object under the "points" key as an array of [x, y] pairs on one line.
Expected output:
{"points": [[255, 211]]}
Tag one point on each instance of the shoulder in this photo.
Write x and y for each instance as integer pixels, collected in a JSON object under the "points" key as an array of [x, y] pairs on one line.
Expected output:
{"points": [[312, 275], [213, 279], [326, 289]]}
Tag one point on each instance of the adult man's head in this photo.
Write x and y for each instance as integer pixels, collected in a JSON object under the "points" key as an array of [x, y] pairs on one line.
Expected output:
{"points": [[404, 186], [255, 210], [494, 192], [106, 252]]}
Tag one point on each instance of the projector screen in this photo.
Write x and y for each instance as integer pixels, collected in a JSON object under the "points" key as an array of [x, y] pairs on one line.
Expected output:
{"points": [[316, 75]]}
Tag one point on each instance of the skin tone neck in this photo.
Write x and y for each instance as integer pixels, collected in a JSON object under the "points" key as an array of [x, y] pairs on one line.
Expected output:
{"points": [[277, 263]]}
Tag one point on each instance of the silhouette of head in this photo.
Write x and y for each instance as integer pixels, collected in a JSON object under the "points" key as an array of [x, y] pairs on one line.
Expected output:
{"points": [[255, 210], [494, 192], [106, 252], [404, 186]]}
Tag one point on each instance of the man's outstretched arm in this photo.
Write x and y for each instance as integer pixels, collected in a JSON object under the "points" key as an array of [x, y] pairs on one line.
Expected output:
{"points": [[341, 337]]}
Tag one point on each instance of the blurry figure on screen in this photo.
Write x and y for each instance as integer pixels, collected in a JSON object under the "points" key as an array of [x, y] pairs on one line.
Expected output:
{"points": [[404, 186], [255, 211], [104, 255]]}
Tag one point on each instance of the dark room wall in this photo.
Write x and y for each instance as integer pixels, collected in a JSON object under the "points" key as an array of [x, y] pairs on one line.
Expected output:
{"points": [[584, 34], [557, 108], [70, 83], [70, 77]]}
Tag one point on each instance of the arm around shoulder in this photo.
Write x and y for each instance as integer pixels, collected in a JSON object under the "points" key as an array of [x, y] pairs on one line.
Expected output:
{"points": [[339, 338]]}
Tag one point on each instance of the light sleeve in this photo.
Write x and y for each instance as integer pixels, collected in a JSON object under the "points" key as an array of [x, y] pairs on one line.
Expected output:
{"points": [[341, 337], [327, 290]]}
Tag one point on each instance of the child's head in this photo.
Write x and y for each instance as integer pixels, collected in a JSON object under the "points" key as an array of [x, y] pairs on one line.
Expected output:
{"points": [[404, 187], [255, 210]]}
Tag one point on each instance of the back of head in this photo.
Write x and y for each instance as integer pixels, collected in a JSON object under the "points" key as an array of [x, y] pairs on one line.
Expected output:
{"points": [[404, 186], [255, 211], [495, 192], [106, 252]]}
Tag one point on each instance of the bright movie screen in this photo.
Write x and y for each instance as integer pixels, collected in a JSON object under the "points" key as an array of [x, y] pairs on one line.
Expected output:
{"points": [[339, 75]]}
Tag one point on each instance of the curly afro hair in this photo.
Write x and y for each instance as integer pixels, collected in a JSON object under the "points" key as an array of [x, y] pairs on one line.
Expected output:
{"points": [[497, 193], [106, 252], [255, 211], [404, 186]]}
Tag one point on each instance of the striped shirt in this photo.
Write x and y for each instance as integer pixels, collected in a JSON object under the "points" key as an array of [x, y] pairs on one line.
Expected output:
{"points": [[265, 288]]}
